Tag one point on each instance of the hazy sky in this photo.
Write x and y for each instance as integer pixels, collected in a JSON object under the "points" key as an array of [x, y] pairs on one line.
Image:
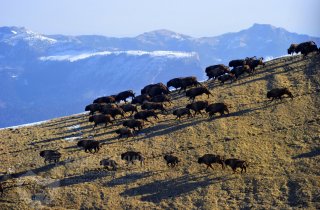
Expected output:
{"points": [[132, 17]]}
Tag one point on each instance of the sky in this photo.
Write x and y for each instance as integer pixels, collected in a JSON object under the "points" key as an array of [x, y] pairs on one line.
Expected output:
{"points": [[127, 18]]}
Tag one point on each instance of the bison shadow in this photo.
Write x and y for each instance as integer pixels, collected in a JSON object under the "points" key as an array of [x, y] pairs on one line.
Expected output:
{"points": [[86, 177], [167, 189], [313, 153], [129, 178]]}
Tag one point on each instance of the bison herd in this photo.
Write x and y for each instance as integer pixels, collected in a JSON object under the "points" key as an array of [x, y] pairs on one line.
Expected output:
{"points": [[153, 101]]}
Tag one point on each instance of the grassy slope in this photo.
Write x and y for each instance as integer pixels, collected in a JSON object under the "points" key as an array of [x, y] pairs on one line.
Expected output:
{"points": [[279, 140]]}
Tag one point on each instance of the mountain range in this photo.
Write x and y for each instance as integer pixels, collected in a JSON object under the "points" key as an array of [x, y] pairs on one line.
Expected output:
{"points": [[47, 76]]}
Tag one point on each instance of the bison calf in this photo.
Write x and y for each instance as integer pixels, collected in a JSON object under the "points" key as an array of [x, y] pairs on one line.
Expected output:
{"points": [[131, 156], [209, 159], [277, 93], [236, 163], [50, 155], [172, 161], [89, 145], [107, 163]]}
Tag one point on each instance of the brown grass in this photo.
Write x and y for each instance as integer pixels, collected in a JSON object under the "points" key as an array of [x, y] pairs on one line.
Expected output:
{"points": [[279, 140]]}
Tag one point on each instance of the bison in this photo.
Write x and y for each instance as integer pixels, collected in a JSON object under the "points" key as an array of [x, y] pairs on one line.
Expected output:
{"points": [[124, 132], [143, 115], [188, 82], [107, 163], [197, 91], [140, 99], [105, 99], [50, 156], [133, 123], [129, 108], [216, 70], [253, 63], [122, 96], [306, 47], [236, 163], [161, 98], [180, 112], [131, 156], [175, 82], [99, 119], [92, 108], [153, 105], [217, 107], [292, 49], [277, 93], [171, 160], [113, 112], [237, 71], [209, 159], [226, 77], [89, 145], [155, 89], [197, 106], [236, 63]]}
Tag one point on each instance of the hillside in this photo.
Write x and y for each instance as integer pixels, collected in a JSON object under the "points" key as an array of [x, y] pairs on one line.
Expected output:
{"points": [[48, 76], [279, 140]]}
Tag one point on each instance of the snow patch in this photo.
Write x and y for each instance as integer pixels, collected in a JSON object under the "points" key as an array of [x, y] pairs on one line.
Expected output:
{"points": [[73, 58], [26, 125], [14, 32], [72, 139]]}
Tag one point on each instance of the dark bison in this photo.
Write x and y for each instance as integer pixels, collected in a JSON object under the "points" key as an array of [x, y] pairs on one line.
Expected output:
{"points": [[113, 112], [129, 108], [253, 63], [236, 63], [180, 112], [188, 82], [155, 89], [277, 93], [143, 115], [306, 47], [226, 77], [140, 99], [91, 145], [131, 156], [122, 96], [175, 82], [236, 163], [216, 70], [107, 163], [237, 71], [292, 49], [133, 123], [209, 159], [92, 108], [161, 98], [197, 106], [171, 160], [50, 156], [197, 91], [124, 132], [105, 99], [99, 119], [217, 107], [153, 106]]}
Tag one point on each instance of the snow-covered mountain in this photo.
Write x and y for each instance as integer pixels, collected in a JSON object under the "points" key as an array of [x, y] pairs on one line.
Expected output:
{"points": [[46, 76]]}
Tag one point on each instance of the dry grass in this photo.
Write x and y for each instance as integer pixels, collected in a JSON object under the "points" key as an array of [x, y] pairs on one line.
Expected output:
{"points": [[280, 140]]}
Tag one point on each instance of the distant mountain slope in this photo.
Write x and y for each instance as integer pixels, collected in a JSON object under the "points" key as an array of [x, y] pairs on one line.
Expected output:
{"points": [[45, 76], [279, 140]]}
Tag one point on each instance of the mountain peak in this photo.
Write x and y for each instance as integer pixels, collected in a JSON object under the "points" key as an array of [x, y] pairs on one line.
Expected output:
{"points": [[163, 34]]}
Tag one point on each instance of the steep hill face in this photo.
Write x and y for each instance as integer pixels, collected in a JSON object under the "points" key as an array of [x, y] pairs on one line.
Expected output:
{"points": [[47, 76], [279, 140]]}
